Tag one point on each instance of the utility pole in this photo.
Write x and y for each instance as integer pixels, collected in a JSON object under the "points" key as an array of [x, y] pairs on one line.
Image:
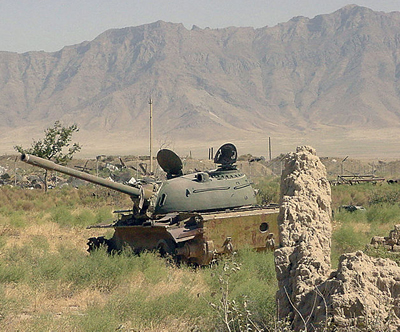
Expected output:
{"points": [[151, 135], [269, 146], [15, 171], [342, 168]]}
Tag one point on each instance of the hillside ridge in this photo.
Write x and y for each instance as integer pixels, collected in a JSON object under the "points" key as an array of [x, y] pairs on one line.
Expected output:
{"points": [[331, 81]]}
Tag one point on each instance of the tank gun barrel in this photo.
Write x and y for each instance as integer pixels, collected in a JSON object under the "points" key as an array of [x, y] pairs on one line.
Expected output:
{"points": [[49, 165]]}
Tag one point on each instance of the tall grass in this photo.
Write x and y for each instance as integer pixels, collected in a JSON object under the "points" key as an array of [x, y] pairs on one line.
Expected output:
{"points": [[49, 282], [354, 230], [352, 195], [351, 230], [253, 286], [138, 292]]}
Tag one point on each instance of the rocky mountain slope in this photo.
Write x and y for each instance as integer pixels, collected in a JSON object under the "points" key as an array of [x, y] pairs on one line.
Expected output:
{"points": [[332, 81]]}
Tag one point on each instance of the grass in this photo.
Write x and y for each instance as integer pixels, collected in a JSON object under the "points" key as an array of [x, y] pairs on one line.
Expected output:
{"points": [[354, 230], [48, 282], [68, 288]]}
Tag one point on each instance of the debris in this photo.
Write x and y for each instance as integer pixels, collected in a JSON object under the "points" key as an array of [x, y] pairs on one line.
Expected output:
{"points": [[357, 179], [391, 242], [352, 208]]}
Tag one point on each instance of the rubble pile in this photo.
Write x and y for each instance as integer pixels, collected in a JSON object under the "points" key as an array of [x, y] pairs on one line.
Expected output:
{"points": [[391, 242], [364, 293]]}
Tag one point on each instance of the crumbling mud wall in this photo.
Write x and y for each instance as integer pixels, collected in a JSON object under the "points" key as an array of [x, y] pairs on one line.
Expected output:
{"points": [[364, 293], [303, 260]]}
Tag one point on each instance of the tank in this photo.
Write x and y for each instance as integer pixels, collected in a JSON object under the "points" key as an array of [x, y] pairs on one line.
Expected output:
{"points": [[193, 217]]}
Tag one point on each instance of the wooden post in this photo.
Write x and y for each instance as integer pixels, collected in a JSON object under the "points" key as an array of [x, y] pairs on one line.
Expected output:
{"points": [[151, 135], [269, 145]]}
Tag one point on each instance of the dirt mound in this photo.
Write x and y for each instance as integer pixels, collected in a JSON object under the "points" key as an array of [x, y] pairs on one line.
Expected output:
{"points": [[364, 292]]}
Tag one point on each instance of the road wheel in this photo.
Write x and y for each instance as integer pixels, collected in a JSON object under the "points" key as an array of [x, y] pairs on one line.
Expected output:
{"points": [[166, 247]]}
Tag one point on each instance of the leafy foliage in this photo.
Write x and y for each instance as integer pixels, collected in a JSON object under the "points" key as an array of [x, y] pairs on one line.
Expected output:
{"points": [[52, 145], [267, 190]]}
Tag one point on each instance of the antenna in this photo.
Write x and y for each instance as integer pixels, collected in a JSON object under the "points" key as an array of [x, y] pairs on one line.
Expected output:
{"points": [[151, 135]]}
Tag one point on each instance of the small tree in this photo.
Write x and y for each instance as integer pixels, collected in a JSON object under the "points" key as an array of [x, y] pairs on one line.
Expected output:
{"points": [[56, 139]]}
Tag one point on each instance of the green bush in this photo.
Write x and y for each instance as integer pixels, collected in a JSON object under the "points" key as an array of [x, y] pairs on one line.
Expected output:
{"points": [[351, 195], [84, 218], [267, 190], [347, 239], [104, 215], [252, 286], [62, 215], [388, 194]]}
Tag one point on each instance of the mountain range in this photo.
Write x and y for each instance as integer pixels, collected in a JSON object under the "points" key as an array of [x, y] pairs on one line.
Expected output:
{"points": [[332, 81]]}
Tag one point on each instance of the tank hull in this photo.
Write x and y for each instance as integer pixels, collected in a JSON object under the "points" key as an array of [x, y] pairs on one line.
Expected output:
{"points": [[246, 231], [196, 238]]}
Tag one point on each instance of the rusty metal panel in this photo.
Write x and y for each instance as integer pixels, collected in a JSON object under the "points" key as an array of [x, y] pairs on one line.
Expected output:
{"points": [[185, 234], [246, 230], [138, 237]]}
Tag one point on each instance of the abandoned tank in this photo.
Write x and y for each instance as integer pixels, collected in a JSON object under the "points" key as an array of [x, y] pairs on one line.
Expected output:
{"points": [[193, 217]]}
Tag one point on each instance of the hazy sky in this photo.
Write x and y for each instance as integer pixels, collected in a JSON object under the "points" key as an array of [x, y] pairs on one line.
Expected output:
{"points": [[49, 25]]}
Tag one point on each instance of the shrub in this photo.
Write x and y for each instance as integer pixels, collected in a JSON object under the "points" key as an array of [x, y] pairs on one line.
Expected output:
{"points": [[387, 194], [104, 215], [351, 195], [248, 289], [84, 218], [267, 190], [62, 215]]}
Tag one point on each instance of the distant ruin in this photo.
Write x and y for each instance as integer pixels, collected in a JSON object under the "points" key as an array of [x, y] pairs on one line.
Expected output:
{"points": [[391, 242], [363, 293]]}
